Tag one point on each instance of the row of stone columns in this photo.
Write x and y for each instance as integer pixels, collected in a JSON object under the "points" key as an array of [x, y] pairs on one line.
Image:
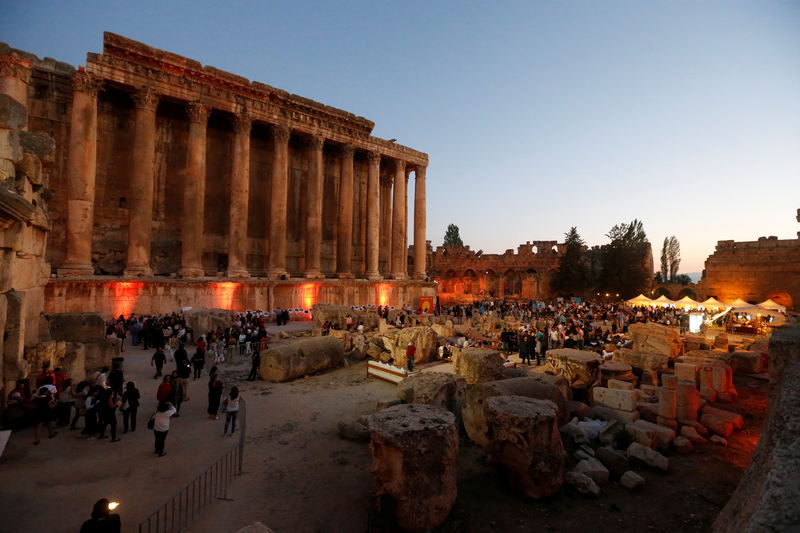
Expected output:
{"points": [[379, 211]]}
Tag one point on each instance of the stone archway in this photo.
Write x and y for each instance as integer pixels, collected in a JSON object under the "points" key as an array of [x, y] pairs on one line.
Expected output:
{"points": [[662, 291], [781, 297], [471, 282], [512, 283], [687, 291]]}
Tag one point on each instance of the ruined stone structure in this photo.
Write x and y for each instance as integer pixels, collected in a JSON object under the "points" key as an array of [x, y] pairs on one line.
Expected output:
{"points": [[166, 167], [754, 271], [463, 274]]}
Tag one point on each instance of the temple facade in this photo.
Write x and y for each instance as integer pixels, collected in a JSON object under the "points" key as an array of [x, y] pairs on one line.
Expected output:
{"points": [[168, 172]]}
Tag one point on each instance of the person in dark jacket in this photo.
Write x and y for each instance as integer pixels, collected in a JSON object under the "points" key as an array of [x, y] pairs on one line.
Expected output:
{"points": [[130, 400], [255, 363], [198, 362]]}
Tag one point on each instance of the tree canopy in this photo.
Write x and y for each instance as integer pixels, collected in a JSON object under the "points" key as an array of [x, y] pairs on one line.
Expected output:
{"points": [[670, 259], [573, 275], [451, 236], [624, 260]]}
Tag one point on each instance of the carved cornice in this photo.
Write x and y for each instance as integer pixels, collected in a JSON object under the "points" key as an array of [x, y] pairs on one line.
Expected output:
{"points": [[242, 124], [83, 82], [281, 133], [374, 158], [145, 99], [13, 66], [197, 113], [347, 151]]}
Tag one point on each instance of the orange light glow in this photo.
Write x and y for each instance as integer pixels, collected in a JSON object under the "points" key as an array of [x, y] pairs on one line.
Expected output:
{"points": [[308, 294], [125, 295], [223, 293], [383, 289]]}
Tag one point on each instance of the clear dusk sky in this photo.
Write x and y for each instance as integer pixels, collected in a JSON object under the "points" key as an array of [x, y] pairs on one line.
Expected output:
{"points": [[537, 116]]}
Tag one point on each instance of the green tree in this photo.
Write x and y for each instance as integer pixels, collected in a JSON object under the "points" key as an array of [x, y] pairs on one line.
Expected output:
{"points": [[573, 275], [664, 260], [624, 260], [451, 236], [674, 257]]}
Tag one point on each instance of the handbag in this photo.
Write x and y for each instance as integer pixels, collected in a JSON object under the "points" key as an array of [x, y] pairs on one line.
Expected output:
{"points": [[124, 406], [151, 424]]}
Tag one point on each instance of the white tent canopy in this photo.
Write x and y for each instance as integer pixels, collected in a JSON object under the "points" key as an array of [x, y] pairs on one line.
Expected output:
{"points": [[713, 303], [769, 304], [640, 300], [663, 301], [686, 301], [740, 304]]}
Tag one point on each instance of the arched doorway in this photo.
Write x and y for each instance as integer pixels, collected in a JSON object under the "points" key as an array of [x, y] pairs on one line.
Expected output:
{"points": [[512, 283], [688, 291], [470, 282]]}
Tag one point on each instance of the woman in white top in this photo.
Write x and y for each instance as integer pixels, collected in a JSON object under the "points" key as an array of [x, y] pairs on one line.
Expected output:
{"points": [[231, 410], [161, 425]]}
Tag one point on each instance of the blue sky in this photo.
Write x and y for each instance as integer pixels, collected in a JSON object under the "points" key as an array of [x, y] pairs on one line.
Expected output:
{"points": [[537, 116]]}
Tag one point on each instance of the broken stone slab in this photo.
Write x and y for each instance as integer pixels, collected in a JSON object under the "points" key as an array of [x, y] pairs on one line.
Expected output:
{"points": [[477, 365], [344, 337], [300, 357], [526, 444], [617, 370], [651, 435], [579, 368], [640, 454], [716, 424], [414, 449], [594, 469], [643, 361], [255, 527], [735, 418], [631, 480], [683, 445], [619, 384], [667, 403], [582, 483], [721, 341], [616, 462], [669, 381], [474, 412], [607, 413], [656, 339], [687, 400], [691, 433], [353, 430], [647, 394], [716, 439], [746, 362], [624, 400], [434, 388], [610, 435], [686, 372]]}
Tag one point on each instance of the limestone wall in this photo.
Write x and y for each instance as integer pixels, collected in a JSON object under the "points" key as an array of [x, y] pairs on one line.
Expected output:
{"points": [[766, 498], [112, 297]]}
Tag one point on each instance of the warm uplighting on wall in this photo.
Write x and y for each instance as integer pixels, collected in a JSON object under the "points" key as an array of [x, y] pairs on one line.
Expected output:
{"points": [[125, 295], [308, 294], [382, 290], [223, 293]]}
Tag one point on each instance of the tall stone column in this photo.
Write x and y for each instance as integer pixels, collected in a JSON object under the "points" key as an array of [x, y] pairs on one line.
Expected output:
{"points": [[420, 242], [15, 73], [276, 266], [314, 221], [373, 216], [239, 203], [398, 219], [385, 250], [140, 219], [81, 169], [344, 242], [194, 193]]}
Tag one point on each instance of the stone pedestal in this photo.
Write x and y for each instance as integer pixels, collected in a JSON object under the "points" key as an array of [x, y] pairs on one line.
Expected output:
{"points": [[526, 444], [478, 364], [414, 449]]}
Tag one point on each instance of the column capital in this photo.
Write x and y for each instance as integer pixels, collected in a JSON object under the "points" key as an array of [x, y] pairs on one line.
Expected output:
{"points": [[146, 99], [281, 133], [83, 82], [399, 166], [242, 124], [419, 172], [387, 180], [13, 66], [317, 142], [197, 112], [374, 158], [348, 150]]}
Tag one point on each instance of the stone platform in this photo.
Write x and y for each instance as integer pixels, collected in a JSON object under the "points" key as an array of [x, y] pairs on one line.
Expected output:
{"points": [[113, 296]]}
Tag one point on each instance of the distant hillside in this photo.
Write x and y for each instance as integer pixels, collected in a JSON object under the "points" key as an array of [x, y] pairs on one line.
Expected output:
{"points": [[695, 276]]}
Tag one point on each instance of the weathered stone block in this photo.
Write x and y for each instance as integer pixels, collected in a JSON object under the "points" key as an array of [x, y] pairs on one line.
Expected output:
{"points": [[616, 462], [13, 114], [631, 480], [301, 357], [474, 412], [656, 339], [414, 449], [434, 388], [683, 445], [641, 360], [688, 401], [716, 424], [77, 327], [624, 400], [650, 435], [594, 469], [582, 483], [667, 403], [526, 443], [580, 368], [203, 319], [686, 372], [734, 418], [478, 364], [619, 384], [640, 454], [690, 433]]}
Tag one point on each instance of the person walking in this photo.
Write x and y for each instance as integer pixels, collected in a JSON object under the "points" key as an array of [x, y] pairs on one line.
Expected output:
{"points": [[198, 362], [107, 407], [231, 410], [161, 425], [255, 364], [158, 360], [130, 406], [45, 404], [411, 350], [214, 394]]}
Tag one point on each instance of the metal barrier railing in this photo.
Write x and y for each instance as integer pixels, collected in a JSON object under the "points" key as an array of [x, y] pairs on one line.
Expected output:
{"points": [[179, 511]]}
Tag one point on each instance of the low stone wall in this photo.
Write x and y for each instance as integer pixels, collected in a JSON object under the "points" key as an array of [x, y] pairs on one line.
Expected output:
{"points": [[766, 498], [113, 296]]}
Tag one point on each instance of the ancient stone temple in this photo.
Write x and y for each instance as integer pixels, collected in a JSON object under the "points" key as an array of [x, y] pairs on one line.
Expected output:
{"points": [[178, 184], [754, 271], [464, 274]]}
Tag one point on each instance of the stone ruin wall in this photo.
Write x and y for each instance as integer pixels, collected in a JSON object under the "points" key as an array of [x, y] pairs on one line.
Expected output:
{"points": [[462, 274], [754, 271]]}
